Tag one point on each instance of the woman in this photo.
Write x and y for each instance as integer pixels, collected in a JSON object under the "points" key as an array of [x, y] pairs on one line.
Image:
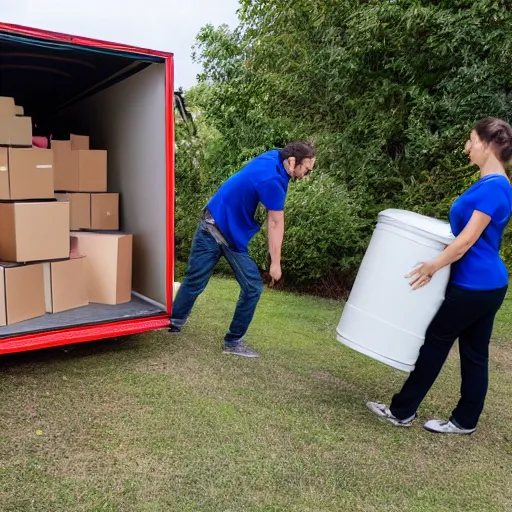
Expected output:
{"points": [[477, 288]]}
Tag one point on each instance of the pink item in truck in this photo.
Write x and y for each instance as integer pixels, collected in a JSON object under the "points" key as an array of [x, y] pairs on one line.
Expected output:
{"points": [[40, 142]]}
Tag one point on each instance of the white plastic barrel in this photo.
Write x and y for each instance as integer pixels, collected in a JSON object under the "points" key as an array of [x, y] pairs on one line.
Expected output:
{"points": [[383, 318]]}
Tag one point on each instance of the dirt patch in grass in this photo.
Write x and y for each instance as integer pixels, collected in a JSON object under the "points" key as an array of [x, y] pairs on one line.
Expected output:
{"points": [[501, 359], [335, 382]]}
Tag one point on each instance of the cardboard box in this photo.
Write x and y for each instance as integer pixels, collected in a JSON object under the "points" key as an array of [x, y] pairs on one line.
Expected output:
{"points": [[21, 292], [34, 231], [92, 211], [79, 142], [75, 142], [61, 144], [80, 171], [92, 171], [108, 266], [65, 165], [4, 172], [7, 107], [79, 209], [65, 285], [105, 212], [26, 174], [16, 131], [19, 111]]}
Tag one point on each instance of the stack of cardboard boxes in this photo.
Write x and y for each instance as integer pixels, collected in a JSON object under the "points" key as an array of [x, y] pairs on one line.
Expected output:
{"points": [[46, 266], [81, 179], [15, 129]]}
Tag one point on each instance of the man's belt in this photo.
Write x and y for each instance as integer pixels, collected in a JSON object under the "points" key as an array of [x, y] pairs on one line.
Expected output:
{"points": [[211, 226]]}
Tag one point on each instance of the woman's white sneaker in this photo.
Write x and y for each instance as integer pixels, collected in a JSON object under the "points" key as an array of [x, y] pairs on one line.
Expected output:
{"points": [[383, 411], [446, 427]]}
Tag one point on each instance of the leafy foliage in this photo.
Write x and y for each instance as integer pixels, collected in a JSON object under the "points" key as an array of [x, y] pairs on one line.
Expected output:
{"points": [[387, 89]]}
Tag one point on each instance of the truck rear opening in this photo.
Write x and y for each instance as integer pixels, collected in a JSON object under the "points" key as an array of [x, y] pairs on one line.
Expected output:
{"points": [[121, 97]]}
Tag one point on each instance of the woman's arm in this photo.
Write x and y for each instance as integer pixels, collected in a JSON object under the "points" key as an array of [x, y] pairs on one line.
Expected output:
{"points": [[454, 252], [466, 239]]}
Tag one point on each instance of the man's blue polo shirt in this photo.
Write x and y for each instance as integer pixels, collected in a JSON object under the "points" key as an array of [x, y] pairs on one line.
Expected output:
{"points": [[234, 205]]}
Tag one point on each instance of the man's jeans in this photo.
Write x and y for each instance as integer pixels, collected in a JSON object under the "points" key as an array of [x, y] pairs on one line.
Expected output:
{"points": [[205, 253]]}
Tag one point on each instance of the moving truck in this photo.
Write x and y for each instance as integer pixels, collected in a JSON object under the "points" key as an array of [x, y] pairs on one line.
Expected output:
{"points": [[105, 111]]}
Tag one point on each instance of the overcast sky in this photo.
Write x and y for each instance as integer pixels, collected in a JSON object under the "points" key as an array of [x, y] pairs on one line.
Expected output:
{"points": [[157, 24]]}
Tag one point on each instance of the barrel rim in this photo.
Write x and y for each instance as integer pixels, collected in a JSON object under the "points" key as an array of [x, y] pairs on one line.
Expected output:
{"points": [[395, 216]]}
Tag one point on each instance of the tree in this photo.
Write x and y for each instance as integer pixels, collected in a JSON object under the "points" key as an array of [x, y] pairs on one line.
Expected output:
{"points": [[388, 90]]}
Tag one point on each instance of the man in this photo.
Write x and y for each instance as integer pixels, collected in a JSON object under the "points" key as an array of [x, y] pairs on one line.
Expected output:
{"points": [[226, 227]]}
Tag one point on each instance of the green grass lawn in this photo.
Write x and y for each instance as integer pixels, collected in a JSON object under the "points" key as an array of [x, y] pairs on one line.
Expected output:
{"points": [[168, 423]]}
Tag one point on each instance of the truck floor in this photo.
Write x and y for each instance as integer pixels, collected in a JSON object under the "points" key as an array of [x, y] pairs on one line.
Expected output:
{"points": [[88, 315]]}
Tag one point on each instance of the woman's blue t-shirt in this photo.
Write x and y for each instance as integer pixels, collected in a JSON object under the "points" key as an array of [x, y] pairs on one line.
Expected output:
{"points": [[481, 268]]}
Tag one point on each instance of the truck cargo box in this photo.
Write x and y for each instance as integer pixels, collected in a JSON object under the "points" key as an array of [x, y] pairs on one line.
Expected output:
{"points": [[108, 98]]}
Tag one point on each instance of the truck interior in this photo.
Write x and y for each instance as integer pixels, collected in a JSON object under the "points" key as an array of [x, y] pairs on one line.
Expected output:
{"points": [[118, 99]]}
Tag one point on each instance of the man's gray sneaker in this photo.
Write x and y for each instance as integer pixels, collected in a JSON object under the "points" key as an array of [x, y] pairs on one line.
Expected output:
{"points": [[446, 427], [240, 350], [383, 411]]}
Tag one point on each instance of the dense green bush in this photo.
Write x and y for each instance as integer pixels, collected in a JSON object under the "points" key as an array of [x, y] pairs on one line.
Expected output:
{"points": [[388, 90], [321, 238], [188, 190]]}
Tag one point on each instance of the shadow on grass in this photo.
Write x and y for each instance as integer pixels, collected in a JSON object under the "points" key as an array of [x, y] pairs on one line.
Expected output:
{"points": [[119, 345]]}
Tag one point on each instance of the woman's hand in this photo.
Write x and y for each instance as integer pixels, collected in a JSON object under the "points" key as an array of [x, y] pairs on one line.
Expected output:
{"points": [[422, 275]]}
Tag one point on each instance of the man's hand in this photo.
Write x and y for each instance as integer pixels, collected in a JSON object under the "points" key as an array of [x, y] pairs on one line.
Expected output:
{"points": [[275, 272]]}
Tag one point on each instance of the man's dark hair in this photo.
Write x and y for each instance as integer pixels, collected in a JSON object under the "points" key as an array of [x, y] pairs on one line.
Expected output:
{"points": [[498, 134], [300, 149]]}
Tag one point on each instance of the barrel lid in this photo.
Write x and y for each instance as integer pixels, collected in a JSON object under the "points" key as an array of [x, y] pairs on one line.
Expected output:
{"points": [[434, 229]]}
